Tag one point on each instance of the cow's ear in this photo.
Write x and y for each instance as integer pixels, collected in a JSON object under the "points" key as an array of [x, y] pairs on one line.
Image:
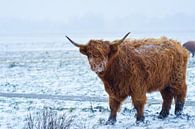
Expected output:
{"points": [[113, 49], [115, 44], [81, 47], [83, 50]]}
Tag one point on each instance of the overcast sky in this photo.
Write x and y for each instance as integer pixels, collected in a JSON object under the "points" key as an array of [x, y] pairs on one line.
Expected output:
{"points": [[96, 16]]}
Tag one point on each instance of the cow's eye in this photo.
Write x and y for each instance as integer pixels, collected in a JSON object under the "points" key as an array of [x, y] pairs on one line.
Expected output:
{"points": [[93, 56], [96, 56]]}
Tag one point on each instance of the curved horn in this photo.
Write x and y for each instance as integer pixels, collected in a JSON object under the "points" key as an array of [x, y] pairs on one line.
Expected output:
{"points": [[120, 41], [125, 37], [74, 43]]}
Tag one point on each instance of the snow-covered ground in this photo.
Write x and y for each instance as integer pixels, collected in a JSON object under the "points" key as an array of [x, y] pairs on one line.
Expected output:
{"points": [[50, 72]]}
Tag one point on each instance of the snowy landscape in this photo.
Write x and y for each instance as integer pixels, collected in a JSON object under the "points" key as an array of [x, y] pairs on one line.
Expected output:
{"points": [[40, 72]]}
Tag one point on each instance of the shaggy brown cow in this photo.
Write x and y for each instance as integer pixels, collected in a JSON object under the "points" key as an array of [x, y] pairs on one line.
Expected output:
{"points": [[190, 45], [135, 67]]}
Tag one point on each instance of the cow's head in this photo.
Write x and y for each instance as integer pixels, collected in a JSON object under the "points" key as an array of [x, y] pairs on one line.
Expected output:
{"points": [[99, 52]]}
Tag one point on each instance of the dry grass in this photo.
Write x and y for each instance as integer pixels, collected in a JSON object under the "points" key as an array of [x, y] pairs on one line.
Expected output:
{"points": [[49, 119]]}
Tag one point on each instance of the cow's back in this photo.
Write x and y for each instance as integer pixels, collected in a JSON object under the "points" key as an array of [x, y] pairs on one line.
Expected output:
{"points": [[159, 57]]}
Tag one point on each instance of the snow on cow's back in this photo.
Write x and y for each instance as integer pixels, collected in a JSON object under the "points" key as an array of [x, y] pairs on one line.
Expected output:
{"points": [[143, 46]]}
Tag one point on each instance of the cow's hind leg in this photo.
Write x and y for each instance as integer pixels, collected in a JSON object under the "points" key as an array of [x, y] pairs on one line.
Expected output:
{"points": [[178, 83], [114, 107], [180, 99], [167, 96]]}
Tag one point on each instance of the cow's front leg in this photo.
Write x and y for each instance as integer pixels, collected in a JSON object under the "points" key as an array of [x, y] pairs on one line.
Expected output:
{"points": [[139, 102], [114, 107]]}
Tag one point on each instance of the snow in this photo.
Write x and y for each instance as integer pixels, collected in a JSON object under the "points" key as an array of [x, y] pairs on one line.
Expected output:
{"points": [[50, 72], [97, 67]]}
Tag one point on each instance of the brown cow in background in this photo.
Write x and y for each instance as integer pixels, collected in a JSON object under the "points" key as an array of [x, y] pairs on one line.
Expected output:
{"points": [[135, 67], [190, 45]]}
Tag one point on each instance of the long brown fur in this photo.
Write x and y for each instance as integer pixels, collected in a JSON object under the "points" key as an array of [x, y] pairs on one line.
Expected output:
{"points": [[136, 67]]}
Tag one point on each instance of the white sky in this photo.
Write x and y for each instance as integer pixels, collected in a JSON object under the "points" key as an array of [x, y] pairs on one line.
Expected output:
{"points": [[73, 15]]}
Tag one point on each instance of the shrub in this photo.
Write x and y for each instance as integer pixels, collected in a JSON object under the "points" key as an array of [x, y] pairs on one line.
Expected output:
{"points": [[49, 119]]}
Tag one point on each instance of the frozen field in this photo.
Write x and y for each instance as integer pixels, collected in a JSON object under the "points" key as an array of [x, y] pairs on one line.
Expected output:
{"points": [[37, 73]]}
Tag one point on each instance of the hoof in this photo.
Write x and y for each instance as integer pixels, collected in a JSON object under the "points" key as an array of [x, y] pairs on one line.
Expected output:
{"points": [[163, 114], [140, 119], [178, 113], [162, 117], [110, 122], [179, 108]]}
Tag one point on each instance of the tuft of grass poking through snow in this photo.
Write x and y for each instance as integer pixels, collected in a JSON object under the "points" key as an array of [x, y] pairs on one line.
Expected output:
{"points": [[49, 119]]}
